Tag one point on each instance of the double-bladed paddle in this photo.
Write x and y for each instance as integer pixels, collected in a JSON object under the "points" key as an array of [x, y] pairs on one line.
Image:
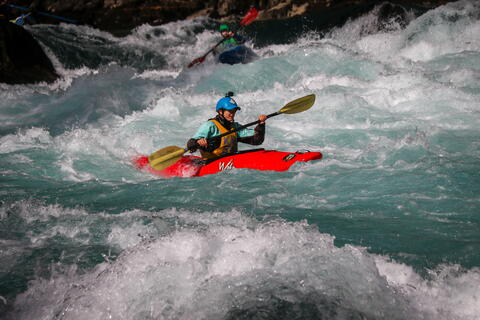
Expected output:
{"points": [[249, 17], [167, 156], [42, 13]]}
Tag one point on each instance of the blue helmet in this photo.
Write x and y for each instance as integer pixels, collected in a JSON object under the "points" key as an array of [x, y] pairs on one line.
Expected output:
{"points": [[227, 103]]}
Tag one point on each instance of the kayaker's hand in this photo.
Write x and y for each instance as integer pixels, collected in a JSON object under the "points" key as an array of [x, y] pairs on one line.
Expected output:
{"points": [[192, 145], [202, 142], [227, 34], [262, 118]]}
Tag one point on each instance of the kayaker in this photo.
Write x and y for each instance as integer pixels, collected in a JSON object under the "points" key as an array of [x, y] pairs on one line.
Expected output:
{"points": [[223, 122], [231, 39]]}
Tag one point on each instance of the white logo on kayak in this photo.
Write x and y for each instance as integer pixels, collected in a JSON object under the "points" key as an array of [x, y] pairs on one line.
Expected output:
{"points": [[222, 166]]}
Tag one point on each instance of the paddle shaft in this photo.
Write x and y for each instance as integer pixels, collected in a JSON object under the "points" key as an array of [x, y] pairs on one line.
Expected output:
{"points": [[245, 126], [215, 46], [41, 13], [295, 106], [202, 58]]}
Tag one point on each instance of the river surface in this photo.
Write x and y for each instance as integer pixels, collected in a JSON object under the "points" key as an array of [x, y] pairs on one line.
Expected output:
{"points": [[385, 226]]}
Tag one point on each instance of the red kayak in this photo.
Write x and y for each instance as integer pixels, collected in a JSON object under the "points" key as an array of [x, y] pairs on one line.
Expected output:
{"points": [[258, 159]]}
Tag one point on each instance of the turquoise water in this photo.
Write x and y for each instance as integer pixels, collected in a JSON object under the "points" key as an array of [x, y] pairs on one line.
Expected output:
{"points": [[386, 226]]}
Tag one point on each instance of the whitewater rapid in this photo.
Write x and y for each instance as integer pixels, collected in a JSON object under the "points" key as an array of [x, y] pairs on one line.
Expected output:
{"points": [[384, 226]]}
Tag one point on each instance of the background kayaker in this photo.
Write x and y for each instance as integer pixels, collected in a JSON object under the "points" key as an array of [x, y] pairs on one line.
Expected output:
{"points": [[231, 39], [223, 122]]}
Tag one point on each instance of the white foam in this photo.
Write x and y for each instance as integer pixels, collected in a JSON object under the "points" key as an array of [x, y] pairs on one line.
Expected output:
{"points": [[25, 139], [204, 273], [451, 293]]}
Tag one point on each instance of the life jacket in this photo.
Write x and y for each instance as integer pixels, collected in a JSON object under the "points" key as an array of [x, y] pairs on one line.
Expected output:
{"points": [[229, 43], [228, 143]]}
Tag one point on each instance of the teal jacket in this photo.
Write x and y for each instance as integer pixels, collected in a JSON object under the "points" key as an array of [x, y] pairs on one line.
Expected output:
{"points": [[209, 129]]}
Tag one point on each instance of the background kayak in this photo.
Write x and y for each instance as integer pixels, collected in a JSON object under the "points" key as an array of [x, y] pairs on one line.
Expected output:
{"points": [[384, 226], [239, 54], [258, 159]]}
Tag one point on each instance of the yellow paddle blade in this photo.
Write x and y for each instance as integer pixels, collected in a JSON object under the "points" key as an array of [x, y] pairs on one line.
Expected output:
{"points": [[163, 152], [299, 105], [165, 157]]}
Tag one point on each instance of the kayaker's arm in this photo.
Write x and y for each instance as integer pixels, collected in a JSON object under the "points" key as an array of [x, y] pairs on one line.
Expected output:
{"points": [[257, 138], [207, 129], [239, 39], [192, 145]]}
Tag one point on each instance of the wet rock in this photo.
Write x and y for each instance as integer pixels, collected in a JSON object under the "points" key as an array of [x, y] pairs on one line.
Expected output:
{"points": [[119, 16], [22, 60]]}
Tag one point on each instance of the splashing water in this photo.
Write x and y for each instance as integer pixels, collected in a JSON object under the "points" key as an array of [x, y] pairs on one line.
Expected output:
{"points": [[385, 226]]}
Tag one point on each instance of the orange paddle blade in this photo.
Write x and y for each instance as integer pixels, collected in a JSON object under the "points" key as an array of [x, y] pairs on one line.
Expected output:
{"points": [[249, 17]]}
